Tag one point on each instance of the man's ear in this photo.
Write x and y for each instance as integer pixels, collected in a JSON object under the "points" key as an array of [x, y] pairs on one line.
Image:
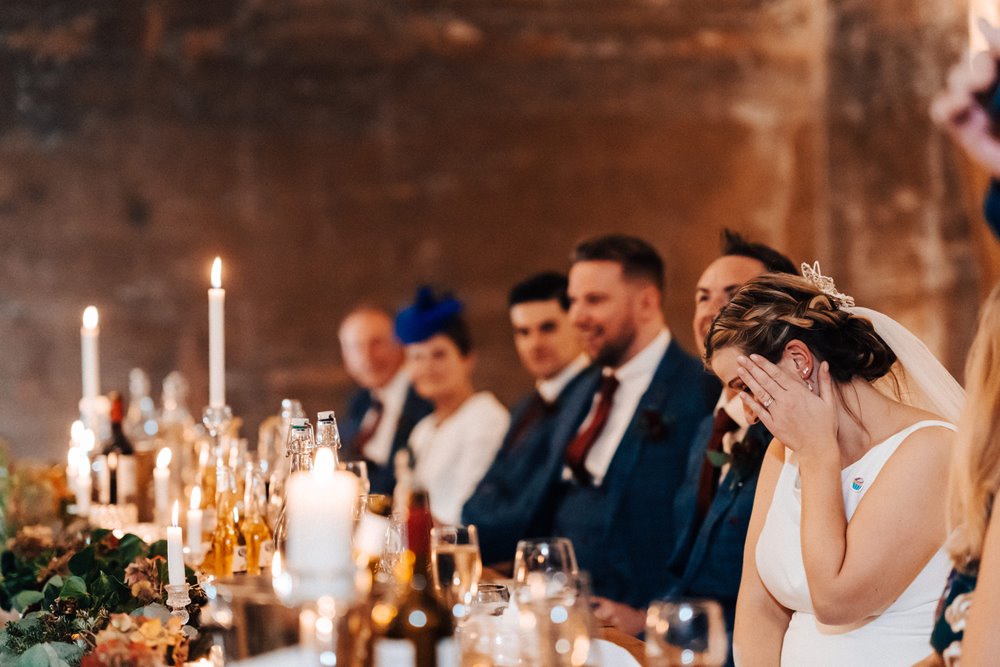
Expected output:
{"points": [[801, 357], [649, 299]]}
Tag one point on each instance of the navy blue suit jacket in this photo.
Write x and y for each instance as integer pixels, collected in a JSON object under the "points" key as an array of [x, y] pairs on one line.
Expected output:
{"points": [[708, 562], [623, 530], [505, 503], [382, 478]]}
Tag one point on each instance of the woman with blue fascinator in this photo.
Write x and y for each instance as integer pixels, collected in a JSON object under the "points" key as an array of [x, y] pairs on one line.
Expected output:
{"points": [[454, 445]]}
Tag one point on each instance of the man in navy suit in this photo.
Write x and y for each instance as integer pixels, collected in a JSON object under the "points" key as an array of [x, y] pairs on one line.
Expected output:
{"points": [[712, 509], [549, 349], [385, 408], [621, 444]]}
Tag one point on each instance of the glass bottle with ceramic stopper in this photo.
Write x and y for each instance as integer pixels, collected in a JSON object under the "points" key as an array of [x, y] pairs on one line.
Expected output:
{"points": [[299, 450]]}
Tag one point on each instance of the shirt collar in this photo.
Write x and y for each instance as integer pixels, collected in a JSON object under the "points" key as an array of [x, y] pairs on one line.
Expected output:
{"points": [[394, 389], [733, 408], [645, 362], [552, 387]]}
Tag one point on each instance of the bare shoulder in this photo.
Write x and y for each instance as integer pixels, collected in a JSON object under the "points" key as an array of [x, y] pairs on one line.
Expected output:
{"points": [[928, 449]]}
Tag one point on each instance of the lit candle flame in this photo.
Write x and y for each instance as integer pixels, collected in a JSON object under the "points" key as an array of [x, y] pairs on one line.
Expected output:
{"points": [[76, 431], [177, 510], [90, 317], [217, 273], [163, 458], [196, 498]]}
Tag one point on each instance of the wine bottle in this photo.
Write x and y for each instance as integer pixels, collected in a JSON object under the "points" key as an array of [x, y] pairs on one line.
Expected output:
{"points": [[120, 457], [415, 630]]}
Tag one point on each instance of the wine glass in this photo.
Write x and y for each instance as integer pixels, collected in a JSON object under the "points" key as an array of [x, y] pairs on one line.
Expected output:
{"points": [[546, 555], [683, 631], [359, 468], [456, 566]]}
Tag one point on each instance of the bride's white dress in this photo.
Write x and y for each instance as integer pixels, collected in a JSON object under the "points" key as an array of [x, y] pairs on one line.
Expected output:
{"points": [[898, 636]]}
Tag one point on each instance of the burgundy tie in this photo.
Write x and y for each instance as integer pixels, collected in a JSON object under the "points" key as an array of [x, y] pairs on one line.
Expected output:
{"points": [[579, 447], [368, 426], [708, 483]]}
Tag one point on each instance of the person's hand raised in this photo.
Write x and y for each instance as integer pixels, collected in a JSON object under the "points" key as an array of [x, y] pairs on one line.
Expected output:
{"points": [[803, 420]]}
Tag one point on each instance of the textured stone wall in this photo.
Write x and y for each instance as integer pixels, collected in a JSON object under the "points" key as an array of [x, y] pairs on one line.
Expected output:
{"points": [[339, 150]]}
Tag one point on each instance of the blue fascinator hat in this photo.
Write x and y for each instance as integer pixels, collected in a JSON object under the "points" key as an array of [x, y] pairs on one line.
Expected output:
{"points": [[428, 315]]}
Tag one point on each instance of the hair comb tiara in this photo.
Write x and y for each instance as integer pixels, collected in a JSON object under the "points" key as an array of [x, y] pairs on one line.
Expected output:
{"points": [[825, 285]]}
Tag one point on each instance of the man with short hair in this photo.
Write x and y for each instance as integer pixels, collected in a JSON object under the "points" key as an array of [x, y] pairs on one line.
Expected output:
{"points": [[385, 409], [713, 507], [621, 444], [549, 349]]}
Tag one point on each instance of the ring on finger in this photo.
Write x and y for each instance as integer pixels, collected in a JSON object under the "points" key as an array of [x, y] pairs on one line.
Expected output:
{"points": [[768, 402]]}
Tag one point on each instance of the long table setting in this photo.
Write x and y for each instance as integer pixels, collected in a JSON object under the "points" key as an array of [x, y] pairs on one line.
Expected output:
{"points": [[187, 548]]}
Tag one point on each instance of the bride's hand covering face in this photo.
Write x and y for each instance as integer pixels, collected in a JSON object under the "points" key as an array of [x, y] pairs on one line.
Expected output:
{"points": [[798, 412]]}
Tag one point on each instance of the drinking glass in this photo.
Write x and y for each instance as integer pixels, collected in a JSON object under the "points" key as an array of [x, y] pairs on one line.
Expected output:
{"points": [[488, 636], [456, 566], [359, 468], [395, 543], [546, 555], [682, 631], [556, 622]]}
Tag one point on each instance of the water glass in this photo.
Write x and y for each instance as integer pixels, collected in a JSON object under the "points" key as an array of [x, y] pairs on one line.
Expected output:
{"points": [[556, 622], [456, 566], [547, 555], [681, 632]]}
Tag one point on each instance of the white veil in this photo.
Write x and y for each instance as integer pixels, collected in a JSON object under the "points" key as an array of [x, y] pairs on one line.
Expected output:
{"points": [[922, 380]]}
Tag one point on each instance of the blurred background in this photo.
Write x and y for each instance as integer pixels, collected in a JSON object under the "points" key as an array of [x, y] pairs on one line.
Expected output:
{"points": [[337, 151]]}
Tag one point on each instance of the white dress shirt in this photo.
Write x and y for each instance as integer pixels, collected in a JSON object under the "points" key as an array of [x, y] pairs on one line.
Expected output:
{"points": [[451, 457], [733, 408], [551, 388], [392, 397], [634, 377]]}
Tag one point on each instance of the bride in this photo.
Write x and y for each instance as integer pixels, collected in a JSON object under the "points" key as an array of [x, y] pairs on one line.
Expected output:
{"points": [[845, 553]]}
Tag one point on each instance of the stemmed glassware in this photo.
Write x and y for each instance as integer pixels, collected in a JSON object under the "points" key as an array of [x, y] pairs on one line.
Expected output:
{"points": [[547, 555], [456, 566], [682, 632]]}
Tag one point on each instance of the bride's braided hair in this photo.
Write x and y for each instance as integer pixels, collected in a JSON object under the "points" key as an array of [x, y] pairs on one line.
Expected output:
{"points": [[775, 308]]}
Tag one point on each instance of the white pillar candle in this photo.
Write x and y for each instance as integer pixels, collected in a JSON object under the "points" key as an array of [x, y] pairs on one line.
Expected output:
{"points": [[88, 347], [161, 484], [320, 518], [83, 491], [175, 551], [194, 522], [72, 466], [217, 338], [103, 480]]}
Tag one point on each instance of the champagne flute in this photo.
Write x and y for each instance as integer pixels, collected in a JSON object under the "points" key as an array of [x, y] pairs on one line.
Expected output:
{"points": [[456, 566], [682, 631]]}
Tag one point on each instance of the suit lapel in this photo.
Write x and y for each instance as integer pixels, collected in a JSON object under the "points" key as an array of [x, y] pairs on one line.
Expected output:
{"points": [[654, 402]]}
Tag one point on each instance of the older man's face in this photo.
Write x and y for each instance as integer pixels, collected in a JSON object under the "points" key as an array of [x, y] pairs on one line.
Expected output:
{"points": [[371, 352]]}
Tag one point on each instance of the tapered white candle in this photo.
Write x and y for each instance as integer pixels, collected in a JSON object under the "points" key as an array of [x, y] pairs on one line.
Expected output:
{"points": [[89, 335], [175, 551], [161, 483], [194, 522], [217, 338], [84, 487]]}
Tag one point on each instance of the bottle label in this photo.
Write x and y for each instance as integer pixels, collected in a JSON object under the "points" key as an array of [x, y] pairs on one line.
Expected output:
{"points": [[394, 653], [266, 553], [240, 559]]}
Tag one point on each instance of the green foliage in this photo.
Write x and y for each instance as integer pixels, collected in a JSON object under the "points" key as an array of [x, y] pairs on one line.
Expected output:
{"points": [[73, 603]]}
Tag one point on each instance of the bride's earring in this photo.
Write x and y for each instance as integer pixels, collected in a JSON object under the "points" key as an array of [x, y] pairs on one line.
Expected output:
{"points": [[805, 376]]}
